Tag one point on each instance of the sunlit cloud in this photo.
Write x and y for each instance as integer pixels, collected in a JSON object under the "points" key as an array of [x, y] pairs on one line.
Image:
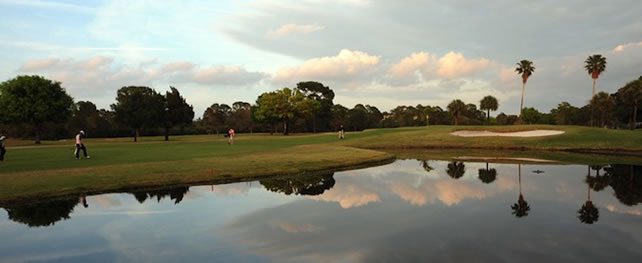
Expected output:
{"points": [[290, 29]]}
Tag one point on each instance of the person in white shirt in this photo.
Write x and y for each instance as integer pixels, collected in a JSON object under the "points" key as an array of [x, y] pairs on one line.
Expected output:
{"points": [[3, 150], [80, 145]]}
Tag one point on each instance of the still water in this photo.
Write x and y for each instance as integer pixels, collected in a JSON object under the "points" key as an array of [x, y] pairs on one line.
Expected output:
{"points": [[409, 210]]}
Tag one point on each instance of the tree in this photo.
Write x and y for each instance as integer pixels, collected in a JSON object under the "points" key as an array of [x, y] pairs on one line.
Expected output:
{"points": [[339, 115], [588, 213], [284, 105], [488, 103], [35, 100], [526, 69], [531, 115], [241, 117], [177, 111], [300, 185], [456, 108], [357, 118], [322, 115], [603, 103], [566, 114], [84, 117], [139, 107], [595, 65], [631, 96], [216, 117]]}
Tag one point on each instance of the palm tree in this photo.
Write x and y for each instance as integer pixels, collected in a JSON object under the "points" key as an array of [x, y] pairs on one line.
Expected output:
{"points": [[604, 105], [487, 176], [456, 169], [595, 65], [488, 103], [526, 69], [456, 107], [521, 208]]}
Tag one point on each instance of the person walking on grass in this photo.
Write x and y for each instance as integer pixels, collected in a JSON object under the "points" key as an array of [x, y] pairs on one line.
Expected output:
{"points": [[230, 136], [80, 145], [341, 132], [2, 148]]}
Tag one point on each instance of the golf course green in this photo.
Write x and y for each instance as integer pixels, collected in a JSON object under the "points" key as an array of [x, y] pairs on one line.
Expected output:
{"points": [[49, 170]]}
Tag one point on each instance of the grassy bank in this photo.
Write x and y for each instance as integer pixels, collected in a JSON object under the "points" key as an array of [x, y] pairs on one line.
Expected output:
{"points": [[33, 172], [575, 138]]}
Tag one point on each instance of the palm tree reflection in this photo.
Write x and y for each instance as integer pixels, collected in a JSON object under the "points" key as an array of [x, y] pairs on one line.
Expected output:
{"points": [[521, 208], [456, 169], [487, 176], [426, 166]]}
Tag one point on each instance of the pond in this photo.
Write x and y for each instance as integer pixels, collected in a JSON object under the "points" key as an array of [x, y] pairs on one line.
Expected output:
{"points": [[410, 210]]}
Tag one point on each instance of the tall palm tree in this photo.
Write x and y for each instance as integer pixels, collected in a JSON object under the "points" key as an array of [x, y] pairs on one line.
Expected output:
{"points": [[456, 108], [526, 69], [604, 104], [488, 103], [595, 65], [521, 208]]}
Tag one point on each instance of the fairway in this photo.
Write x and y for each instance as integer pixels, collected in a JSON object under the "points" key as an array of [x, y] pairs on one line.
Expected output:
{"points": [[33, 172]]}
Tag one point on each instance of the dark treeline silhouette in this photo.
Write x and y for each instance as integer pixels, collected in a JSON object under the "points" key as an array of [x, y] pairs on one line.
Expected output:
{"points": [[48, 112], [175, 194], [300, 184]]}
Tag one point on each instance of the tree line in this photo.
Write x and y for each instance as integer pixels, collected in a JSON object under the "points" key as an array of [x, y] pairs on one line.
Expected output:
{"points": [[35, 107]]}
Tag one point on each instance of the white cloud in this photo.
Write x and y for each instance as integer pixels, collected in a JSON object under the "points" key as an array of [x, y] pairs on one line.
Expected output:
{"points": [[289, 29], [347, 64], [454, 65]]}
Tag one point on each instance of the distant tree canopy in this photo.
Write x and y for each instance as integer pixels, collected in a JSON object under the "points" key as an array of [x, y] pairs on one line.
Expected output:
{"points": [[284, 105], [34, 100], [138, 107], [320, 115], [177, 111]]}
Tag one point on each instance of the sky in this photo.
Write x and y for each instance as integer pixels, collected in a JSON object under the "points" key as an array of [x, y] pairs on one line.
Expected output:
{"points": [[382, 53]]}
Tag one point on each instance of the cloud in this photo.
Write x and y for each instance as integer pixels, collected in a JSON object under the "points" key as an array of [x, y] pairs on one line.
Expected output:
{"points": [[622, 47], [289, 29], [454, 65], [410, 64], [346, 65]]}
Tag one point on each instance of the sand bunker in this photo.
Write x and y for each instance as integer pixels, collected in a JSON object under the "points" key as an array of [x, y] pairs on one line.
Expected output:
{"points": [[533, 133]]}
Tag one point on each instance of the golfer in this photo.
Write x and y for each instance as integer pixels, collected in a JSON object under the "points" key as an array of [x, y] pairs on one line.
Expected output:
{"points": [[2, 148], [230, 136], [80, 145], [341, 132]]}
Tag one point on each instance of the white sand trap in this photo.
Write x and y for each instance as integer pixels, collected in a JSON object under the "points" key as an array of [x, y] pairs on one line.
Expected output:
{"points": [[533, 133]]}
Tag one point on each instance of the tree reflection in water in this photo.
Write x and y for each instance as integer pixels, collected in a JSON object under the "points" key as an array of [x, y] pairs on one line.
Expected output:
{"points": [[456, 169], [300, 184], [588, 213], [487, 176], [42, 214], [426, 166], [174, 193], [626, 181], [521, 208]]}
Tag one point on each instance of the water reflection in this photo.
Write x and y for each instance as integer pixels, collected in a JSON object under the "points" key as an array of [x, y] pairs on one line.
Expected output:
{"points": [[386, 213], [300, 185], [42, 214], [487, 175], [521, 208], [456, 169], [174, 193]]}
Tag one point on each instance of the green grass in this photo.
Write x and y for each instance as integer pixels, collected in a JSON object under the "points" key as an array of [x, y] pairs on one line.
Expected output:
{"points": [[48, 170]]}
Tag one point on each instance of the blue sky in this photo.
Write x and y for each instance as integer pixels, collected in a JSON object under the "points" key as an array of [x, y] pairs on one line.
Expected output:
{"points": [[383, 53]]}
